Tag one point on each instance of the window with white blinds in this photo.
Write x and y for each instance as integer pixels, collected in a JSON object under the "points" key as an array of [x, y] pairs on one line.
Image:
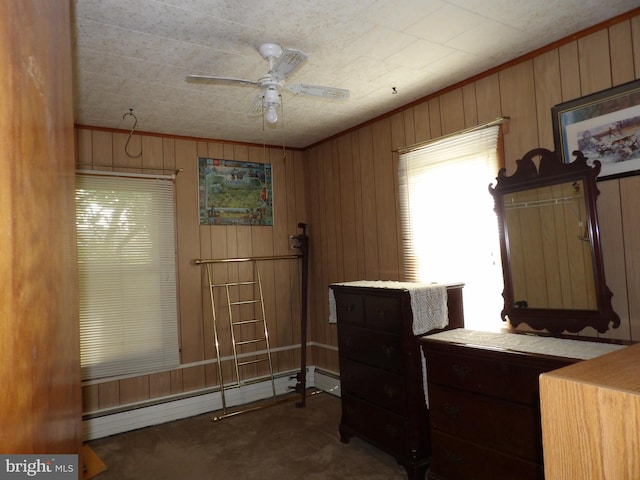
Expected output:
{"points": [[449, 227], [127, 275]]}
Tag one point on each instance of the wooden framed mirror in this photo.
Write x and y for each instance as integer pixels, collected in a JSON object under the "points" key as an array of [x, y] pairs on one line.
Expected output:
{"points": [[550, 244]]}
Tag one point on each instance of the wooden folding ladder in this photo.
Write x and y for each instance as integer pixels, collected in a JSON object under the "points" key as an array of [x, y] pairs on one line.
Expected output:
{"points": [[248, 329]]}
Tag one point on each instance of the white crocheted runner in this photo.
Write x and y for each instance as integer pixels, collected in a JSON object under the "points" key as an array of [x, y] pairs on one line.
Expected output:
{"points": [[428, 302]]}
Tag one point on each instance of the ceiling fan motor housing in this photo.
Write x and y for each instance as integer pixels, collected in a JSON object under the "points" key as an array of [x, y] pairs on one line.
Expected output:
{"points": [[271, 96]]}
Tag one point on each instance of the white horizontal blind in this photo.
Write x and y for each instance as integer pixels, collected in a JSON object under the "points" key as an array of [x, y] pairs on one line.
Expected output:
{"points": [[449, 227], [127, 275]]}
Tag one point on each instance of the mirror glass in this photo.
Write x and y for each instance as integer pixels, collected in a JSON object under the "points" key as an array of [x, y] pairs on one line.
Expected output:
{"points": [[551, 256], [550, 247]]}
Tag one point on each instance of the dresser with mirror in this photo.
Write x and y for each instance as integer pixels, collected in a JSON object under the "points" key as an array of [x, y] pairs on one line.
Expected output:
{"points": [[483, 387]]}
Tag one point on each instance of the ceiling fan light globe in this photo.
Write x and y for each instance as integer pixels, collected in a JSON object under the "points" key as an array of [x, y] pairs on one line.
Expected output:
{"points": [[271, 116]]}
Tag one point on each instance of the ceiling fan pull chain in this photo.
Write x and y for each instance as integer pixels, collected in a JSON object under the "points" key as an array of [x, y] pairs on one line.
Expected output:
{"points": [[133, 129], [284, 150]]}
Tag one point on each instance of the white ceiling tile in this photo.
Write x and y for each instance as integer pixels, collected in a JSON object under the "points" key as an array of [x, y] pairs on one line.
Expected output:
{"points": [[419, 54], [401, 14], [487, 39], [444, 24], [516, 13], [380, 43]]}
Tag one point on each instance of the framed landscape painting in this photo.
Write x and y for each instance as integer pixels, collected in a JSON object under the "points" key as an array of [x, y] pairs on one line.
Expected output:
{"points": [[232, 192], [604, 126]]}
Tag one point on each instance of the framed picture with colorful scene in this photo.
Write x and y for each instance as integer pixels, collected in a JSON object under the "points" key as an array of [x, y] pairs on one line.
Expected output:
{"points": [[604, 126], [232, 192]]}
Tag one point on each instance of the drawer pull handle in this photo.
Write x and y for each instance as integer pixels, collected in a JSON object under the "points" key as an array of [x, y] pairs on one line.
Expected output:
{"points": [[350, 308], [454, 457], [461, 371], [380, 313], [388, 350], [451, 410]]}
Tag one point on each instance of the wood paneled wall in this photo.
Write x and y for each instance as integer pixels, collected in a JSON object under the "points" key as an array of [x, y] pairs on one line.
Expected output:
{"points": [[352, 178], [100, 149], [39, 349]]}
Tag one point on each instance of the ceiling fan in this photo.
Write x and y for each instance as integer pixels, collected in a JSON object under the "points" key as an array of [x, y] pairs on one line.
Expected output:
{"points": [[282, 64]]}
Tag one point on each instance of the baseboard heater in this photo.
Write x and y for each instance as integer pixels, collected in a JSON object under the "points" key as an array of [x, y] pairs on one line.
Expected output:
{"points": [[145, 414]]}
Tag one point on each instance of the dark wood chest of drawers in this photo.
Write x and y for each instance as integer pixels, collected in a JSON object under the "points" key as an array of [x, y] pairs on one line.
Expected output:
{"points": [[381, 372], [485, 411]]}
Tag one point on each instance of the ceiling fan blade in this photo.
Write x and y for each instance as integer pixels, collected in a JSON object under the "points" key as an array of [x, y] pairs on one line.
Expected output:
{"points": [[208, 80], [318, 91], [256, 107], [288, 63]]}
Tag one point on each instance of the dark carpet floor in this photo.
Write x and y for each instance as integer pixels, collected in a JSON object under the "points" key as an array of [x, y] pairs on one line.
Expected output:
{"points": [[281, 442]]}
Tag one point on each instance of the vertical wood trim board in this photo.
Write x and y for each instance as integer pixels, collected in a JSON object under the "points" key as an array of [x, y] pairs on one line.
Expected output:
{"points": [[40, 398]]}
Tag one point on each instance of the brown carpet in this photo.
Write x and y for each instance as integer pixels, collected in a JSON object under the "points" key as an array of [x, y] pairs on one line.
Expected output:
{"points": [[281, 442]]}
